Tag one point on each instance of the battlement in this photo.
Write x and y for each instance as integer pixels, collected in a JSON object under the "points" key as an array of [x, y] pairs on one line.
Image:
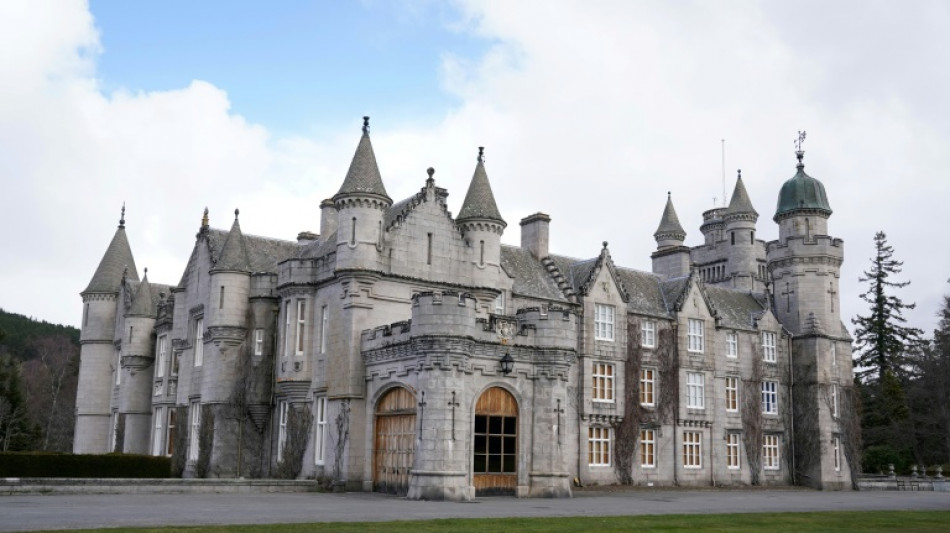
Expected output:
{"points": [[801, 245]]}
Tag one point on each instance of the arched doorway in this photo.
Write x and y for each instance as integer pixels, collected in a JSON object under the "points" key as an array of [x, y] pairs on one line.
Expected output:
{"points": [[495, 447], [395, 441]]}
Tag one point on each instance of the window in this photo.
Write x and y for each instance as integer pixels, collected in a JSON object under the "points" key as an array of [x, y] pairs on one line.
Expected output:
{"points": [[495, 445], [286, 350], [732, 394], [732, 345], [353, 232], [598, 446], [301, 325], [282, 410], [258, 341], [85, 315], [836, 450], [695, 390], [500, 303], [770, 452], [162, 356], [834, 354], [692, 449], [647, 386], [157, 434], [695, 335], [118, 368], [732, 451], [170, 439], [174, 358], [648, 334], [602, 386], [481, 253], [115, 431], [648, 448], [429, 250], [769, 397], [834, 400], [324, 321], [221, 298], [320, 438], [194, 415], [768, 346], [603, 322], [199, 341]]}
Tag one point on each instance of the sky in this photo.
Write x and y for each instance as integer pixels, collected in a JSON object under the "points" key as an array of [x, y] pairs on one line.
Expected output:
{"points": [[589, 111]]}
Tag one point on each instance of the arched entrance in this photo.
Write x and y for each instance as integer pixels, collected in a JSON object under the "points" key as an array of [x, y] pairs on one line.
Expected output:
{"points": [[395, 441], [495, 447]]}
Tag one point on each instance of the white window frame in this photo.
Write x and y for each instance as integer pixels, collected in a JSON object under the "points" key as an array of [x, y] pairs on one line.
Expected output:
{"points": [[770, 452], [648, 387], [283, 407], [648, 448], [770, 397], [324, 322], [695, 390], [286, 350], [836, 451], [158, 436], [695, 336], [194, 419], [115, 431], [732, 451], [500, 303], [162, 349], [834, 354], [118, 368], [692, 449], [320, 437], [732, 345], [603, 322], [259, 341], [199, 341], [648, 333], [768, 346], [834, 400], [603, 383], [732, 394], [301, 330], [170, 427], [598, 445]]}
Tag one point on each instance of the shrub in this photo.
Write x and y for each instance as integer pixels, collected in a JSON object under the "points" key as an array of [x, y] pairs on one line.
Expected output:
{"points": [[113, 465]]}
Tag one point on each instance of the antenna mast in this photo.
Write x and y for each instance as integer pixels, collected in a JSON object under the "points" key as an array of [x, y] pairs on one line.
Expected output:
{"points": [[724, 173]]}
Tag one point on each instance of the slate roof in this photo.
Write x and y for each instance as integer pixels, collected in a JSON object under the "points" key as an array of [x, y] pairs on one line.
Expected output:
{"points": [[576, 271], [479, 200], [737, 310], [363, 175], [673, 291], [644, 291], [147, 306], [740, 202], [670, 223], [233, 256], [263, 253], [531, 278], [118, 258], [318, 248]]}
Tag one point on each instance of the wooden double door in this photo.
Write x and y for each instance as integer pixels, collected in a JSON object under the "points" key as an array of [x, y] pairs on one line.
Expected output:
{"points": [[495, 443], [395, 441]]}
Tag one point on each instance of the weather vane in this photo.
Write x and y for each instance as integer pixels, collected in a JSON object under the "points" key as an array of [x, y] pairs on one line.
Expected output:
{"points": [[801, 139]]}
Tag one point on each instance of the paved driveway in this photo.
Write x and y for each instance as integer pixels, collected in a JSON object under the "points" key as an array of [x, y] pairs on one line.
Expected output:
{"points": [[33, 512]]}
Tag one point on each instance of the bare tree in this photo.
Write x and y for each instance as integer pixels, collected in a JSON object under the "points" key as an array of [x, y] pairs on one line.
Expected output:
{"points": [[51, 379]]}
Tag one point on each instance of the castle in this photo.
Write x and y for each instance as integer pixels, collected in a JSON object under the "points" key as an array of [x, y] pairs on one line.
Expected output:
{"points": [[406, 350]]}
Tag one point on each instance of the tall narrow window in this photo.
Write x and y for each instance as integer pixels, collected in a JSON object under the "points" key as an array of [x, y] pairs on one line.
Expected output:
{"points": [[481, 253], [732, 237], [221, 298], [158, 447], [836, 450], [429, 249], [118, 367], [647, 387], [320, 437], [598, 446], [162, 358], [324, 320], [732, 345], [500, 303], [768, 346], [602, 386], [648, 448], [113, 436], [85, 315], [301, 325], [353, 232], [770, 452], [770, 397], [131, 329], [695, 390], [170, 432], [732, 394], [692, 449], [174, 363], [732, 451], [752, 237], [696, 343], [199, 341], [648, 334], [258, 341], [834, 400], [834, 354], [194, 416], [282, 411], [286, 350], [603, 322]]}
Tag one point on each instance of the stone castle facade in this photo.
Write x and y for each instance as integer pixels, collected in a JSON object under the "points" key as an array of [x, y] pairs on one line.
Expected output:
{"points": [[407, 350]]}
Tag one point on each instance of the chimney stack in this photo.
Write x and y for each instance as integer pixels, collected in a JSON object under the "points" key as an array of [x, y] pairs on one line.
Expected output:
{"points": [[534, 234]]}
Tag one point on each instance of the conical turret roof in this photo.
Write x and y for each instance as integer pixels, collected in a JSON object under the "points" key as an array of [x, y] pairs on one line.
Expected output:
{"points": [[233, 256], [115, 261], [142, 302], [479, 201], [740, 203], [363, 177], [802, 192], [670, 226]]}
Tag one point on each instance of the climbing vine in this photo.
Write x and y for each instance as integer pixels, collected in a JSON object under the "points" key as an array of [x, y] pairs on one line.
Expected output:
{"points": [[342, 423], [205, 442], [299, 422], [627, 431], [752, 415], [667, 357]]}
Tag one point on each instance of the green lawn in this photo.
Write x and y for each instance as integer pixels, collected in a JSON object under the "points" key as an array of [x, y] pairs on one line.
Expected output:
{"points": [[884, 521]]}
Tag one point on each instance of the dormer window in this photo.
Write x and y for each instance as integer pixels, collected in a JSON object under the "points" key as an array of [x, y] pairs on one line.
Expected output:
{"points": [[603, 322]]}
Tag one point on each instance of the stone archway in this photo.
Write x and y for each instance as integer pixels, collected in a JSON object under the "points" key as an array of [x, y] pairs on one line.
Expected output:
{"points": [[395, 441], [495, 443]]}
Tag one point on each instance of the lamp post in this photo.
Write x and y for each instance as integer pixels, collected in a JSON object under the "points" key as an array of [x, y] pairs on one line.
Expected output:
{"points": [[507, 363]]}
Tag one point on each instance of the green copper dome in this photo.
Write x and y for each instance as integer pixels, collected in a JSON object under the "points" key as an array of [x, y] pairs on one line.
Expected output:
{"points": [[802, 192]]}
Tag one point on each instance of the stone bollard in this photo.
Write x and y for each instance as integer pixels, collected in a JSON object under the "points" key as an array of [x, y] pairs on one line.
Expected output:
{"points": [[913, 471], [890, 471], [939, 472]]}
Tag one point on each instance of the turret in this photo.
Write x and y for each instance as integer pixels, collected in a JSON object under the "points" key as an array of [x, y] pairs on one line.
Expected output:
{"points": [[97, 355], [739, 219], [671, 258], [482, 226], [137, 367], [361, 204]]}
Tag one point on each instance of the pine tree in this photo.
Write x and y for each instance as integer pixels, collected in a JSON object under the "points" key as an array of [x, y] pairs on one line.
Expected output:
{"points": [[881, 338]]}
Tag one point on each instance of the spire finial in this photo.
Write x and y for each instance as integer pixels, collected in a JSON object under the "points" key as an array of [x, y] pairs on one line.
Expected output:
{"points": [[366, 125], [739, 173], [799, 153], [669, 195], [122, 218], [481, 154], [204, 218], [146, 271], [431, 172], [236, 213], [605, 245]]}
